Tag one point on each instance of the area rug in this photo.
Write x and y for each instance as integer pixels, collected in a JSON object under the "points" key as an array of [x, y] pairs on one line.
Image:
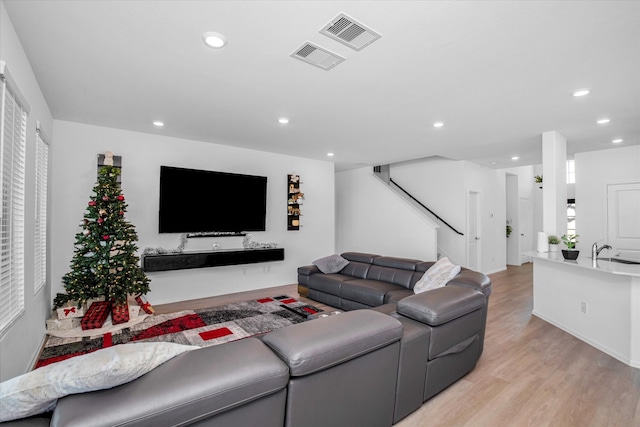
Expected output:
{"points": [[203, 327]]}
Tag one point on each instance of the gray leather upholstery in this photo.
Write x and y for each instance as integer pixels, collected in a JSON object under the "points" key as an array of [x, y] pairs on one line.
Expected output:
{"points": [[188, 388], [441, 305], [368, 367], [343, 369], [370, 280], [313, 346]]}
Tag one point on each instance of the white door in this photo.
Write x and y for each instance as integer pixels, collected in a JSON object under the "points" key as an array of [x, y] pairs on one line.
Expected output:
{"points": [[525, 218], [623, 219], [473, 239]]}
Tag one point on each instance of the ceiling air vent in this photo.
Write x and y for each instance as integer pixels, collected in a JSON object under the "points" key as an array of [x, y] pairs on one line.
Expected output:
{"points": [[350, 32], [315, 55]]}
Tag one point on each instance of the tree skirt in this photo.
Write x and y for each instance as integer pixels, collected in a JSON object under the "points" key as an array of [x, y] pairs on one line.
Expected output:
{"points": [[203, 327]]}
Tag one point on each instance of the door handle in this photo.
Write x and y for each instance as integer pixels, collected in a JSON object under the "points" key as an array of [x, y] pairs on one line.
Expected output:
{"points": [[477, 238]]}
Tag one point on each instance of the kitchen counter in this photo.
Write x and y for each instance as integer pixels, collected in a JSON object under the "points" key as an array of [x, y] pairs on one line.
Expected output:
{"points": [[597, 302], [601, 265]]}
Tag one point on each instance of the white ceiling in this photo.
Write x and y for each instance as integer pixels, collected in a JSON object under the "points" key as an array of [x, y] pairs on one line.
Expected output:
{"points": [[497, 73]]}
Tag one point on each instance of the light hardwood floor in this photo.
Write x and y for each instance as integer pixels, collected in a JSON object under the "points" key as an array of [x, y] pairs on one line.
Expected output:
{"points": [[530, 374]]}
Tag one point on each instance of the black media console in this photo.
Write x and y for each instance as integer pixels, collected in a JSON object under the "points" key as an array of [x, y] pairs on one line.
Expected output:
{"points": [[215, 258]]}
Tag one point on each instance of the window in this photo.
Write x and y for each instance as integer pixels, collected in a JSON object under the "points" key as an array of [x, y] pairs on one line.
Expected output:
{"points": [[13, 138], [40, 225], [571, 171], [571, 216]]}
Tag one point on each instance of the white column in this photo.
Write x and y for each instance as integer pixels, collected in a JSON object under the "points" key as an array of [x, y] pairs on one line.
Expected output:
{"points": [[554, 183]]}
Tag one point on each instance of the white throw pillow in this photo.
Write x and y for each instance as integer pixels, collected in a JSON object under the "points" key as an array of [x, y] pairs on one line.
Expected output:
{"points": [[39, 390], [331, 264], [437, 276]]}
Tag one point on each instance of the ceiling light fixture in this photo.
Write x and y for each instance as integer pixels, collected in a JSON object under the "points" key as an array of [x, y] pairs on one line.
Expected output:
{"points": [[330, 154], [438, 124], [283, 120], [158, 123], [581, 92], [617, 141], [603, 121], [214, 40], [515, 157]]}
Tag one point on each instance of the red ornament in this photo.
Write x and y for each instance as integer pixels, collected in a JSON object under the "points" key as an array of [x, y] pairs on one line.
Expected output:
{"points": [[100, 220], [105, 237], [121, 198], [105, 198], [121, 213], [92, 203]]}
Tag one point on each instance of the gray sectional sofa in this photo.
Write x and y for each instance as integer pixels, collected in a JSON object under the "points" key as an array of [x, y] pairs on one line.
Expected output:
{"points": [[368, 367]]}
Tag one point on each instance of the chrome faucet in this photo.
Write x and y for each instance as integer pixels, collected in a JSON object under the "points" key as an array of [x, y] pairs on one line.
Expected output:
{"points": [[595, 250]]}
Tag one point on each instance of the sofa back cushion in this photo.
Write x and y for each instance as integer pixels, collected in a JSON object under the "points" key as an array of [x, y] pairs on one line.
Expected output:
{"points": [[356, 269], [391, 275]]}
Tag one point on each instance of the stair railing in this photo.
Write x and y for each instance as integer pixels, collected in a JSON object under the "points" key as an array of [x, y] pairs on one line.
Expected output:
{"points": [[422, 205]]}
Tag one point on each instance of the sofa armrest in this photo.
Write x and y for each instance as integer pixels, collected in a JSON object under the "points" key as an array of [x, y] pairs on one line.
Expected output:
{"points": [[308, 270], [441, 305], [322, 343], [472, 280]]}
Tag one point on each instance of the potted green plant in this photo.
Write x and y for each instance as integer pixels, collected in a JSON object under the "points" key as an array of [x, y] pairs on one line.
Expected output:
{"points": [[570, 241], [554, 241], [509, 230], [538, 179]]}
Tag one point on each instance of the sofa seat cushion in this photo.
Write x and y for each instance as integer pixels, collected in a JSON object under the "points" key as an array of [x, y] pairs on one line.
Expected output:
{"points": [[441, 305], [319, 344], [395, 296], [369, 292], [190, 387], [328, 283]]}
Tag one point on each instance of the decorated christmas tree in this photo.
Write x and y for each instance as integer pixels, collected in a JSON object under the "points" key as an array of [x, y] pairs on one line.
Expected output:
{"points": [[105, 261]]}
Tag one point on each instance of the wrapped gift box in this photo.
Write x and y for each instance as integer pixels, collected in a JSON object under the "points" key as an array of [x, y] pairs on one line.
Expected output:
{"points": [[96, 315], [119, 313], [134, 311], [55, 324], [146, 306], [70, 310]]}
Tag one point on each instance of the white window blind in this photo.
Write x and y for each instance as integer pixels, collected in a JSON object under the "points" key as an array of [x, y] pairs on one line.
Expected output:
{"points": [[13, 137], [40, 225]]}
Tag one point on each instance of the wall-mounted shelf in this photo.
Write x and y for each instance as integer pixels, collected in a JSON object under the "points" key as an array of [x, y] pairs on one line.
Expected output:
{"points": [[217, 258], [293, 202]]}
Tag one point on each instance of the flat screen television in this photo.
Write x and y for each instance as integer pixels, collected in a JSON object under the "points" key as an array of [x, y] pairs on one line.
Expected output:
{"points": [[206, 201]]}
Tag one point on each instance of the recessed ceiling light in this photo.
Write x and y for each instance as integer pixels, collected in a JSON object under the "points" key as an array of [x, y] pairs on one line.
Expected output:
{"points": [[438, 124], [494, 163], [603, 121], [515, 157], [158, 123], [330, 154], [214, 40], [283, 120], [581, 92], [617, 141]]}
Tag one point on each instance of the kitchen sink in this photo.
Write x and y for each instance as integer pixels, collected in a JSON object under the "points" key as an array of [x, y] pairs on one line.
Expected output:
{"points": [[620, 260]]}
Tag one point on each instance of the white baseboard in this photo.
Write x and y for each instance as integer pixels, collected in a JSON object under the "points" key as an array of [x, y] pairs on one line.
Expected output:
{"points": [[602, 348]]}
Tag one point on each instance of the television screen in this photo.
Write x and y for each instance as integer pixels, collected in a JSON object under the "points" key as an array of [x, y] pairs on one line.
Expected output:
{"points": [[206, 201]]}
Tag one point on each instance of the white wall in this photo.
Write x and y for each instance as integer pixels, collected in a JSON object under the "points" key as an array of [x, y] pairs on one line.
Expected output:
{"points": [[372, 218], [525, 188], [491, 186], [21, 343], [443, 185], [439, 184], [594, 170], [74, 175]]}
